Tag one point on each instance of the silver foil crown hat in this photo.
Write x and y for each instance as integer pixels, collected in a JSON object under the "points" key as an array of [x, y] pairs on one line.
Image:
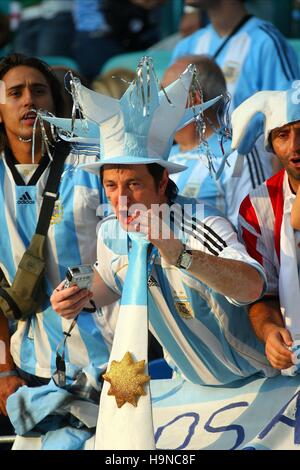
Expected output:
{"points": [[140, 127]]}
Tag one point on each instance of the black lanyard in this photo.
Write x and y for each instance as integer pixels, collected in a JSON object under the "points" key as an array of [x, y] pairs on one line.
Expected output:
{"points": [[233, 32]]}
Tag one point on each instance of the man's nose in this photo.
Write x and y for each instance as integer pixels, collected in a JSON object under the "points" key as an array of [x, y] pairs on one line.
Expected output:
{"points": [[295, 141], [123, 191], [123, 201], [28, 99]]}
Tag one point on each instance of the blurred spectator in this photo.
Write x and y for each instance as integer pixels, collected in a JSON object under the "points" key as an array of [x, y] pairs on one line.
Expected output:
{"points": [[192, 19], [105, 28], [114, 82], [46, 28], [252, 53], [190, 22], [4, 30], [94, 42], [147, 4], [227, 192]]}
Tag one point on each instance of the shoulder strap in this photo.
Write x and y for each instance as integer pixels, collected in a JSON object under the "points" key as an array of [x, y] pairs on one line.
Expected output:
{"points": [[50, 195], [233, 32]]}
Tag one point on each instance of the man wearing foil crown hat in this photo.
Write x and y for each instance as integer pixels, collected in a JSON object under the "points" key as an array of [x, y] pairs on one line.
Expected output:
{"points": [[183, 270], [266, 227]]}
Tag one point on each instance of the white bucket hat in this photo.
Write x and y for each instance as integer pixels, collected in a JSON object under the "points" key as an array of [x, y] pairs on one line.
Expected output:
{"points": [[277, 108]]}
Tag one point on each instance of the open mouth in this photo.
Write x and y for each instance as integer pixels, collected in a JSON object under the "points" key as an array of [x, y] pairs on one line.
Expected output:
{"points": [[295, 160], [30, 116]]}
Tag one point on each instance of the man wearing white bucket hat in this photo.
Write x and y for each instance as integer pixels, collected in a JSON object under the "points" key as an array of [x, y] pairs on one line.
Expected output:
{"points": [[169, 258], [265, 223]]}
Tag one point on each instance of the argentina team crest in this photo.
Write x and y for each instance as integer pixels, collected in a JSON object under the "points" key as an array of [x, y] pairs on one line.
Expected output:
{"points": [[184, 308], [231, 71], [58, 213]]}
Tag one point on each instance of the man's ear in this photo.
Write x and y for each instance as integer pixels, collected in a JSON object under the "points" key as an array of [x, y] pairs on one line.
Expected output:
{"points": [[163, 182]]}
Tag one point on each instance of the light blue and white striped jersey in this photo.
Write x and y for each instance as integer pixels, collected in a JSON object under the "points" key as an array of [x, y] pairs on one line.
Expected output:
{"points": [[239, 177], [88, 16], [208, 338], [71, 241], [256, 58]]}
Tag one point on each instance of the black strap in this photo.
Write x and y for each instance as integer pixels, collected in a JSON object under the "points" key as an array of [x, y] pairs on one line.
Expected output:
{"points": [[39, 171], [12, 162], [50, 195], [12, 304], [233, 32]]}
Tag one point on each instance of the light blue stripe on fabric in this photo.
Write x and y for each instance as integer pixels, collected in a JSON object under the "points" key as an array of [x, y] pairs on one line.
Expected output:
{"points": [[52, 326], [27, 353], [66, 241], [5, 238], [168, 394], [135, 291], [88, 180], [204, 315], [163, 391], [168, 341], [239, 327], [181, 178], [92, 338], [204, 351], [198, 177]]}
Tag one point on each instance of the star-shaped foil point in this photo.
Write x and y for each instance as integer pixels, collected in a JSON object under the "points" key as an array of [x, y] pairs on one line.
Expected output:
{"points": [[126, 378]]}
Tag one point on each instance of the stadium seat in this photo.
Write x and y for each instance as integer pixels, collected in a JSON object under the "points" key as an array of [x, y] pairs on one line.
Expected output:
{"points": [[61, 60], [130, 60], [295, 43]]}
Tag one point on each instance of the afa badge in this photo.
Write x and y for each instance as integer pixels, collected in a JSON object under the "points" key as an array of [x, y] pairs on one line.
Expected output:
{"points": [[184, 308], [58, 213], [231, 71]]}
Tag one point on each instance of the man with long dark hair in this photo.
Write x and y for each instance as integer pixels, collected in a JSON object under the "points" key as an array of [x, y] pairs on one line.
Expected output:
{"points": [[28, 85]]}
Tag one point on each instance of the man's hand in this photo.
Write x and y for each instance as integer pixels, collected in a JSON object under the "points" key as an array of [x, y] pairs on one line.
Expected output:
{"points": [[69, 302], [278, 341], [8, 385], [157, 231]]}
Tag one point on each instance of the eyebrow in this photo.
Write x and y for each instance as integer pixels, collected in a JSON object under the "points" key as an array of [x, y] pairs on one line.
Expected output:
{"points": [[126, 181], [280, 129], [32, 85]]}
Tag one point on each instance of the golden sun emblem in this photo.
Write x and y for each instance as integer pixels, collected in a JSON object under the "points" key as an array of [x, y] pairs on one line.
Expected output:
{"points": [[126, 378]]}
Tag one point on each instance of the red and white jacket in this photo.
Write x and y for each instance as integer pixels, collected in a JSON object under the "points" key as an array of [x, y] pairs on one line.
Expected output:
{"points": [[260, 220]]}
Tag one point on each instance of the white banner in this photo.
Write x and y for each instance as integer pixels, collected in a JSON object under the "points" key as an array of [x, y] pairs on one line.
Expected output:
{"points": [[262, 415]]}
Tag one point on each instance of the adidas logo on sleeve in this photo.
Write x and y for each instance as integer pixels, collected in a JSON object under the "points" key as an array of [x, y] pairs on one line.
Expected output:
{"points": [[25, 199]]}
